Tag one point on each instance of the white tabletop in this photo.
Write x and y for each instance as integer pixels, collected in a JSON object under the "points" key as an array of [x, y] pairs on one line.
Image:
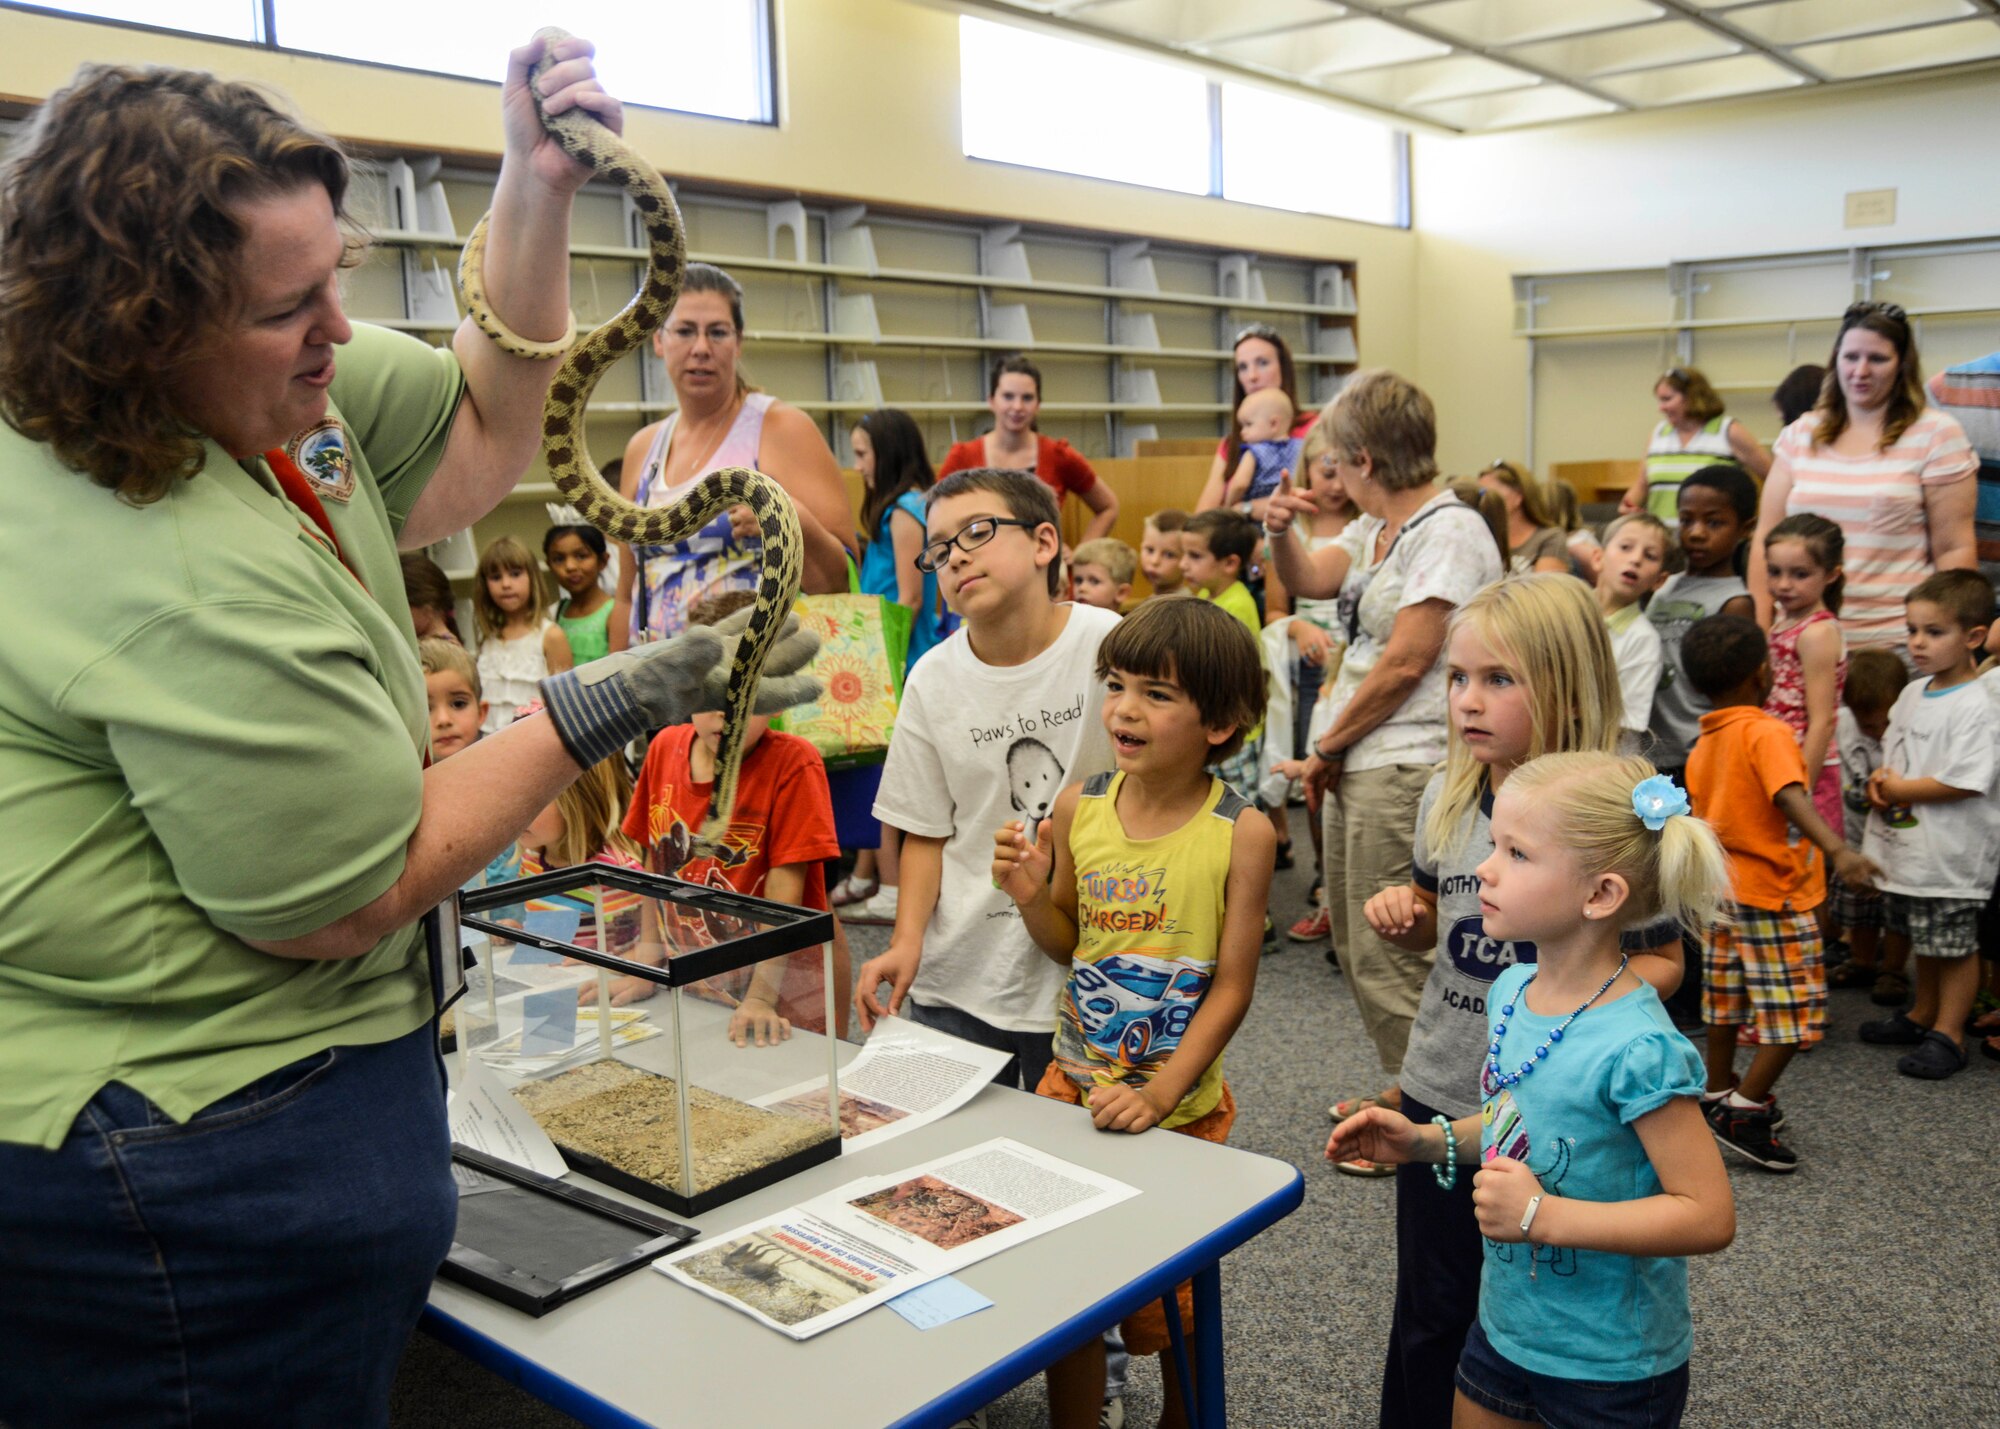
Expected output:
{"points": [[652, 1352]]}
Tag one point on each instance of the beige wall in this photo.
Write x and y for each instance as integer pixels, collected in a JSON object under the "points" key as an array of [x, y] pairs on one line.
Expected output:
{"points": [[870, 111], [1713, 181]]}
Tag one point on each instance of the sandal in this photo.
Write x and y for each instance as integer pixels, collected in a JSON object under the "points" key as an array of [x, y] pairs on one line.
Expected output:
{"points": [[850, 890], [1983, 1024], [1362, 1166], [1853, 974], [1891, 990], [1990, 1048], [1934, 1058], [1348, 1106]]}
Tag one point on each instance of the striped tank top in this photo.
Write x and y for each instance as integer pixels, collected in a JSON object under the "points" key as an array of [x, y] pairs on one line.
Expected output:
{"points": [[1669, 463], [1148, 921]]}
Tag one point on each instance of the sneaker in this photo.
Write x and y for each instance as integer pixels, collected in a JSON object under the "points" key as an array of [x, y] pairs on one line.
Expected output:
{"points": [[1896, 1031], [1284, 856], [1271, 944], [1746, 1036], [1112, 1415], [851, 890], [879, 910], [1751, 1133], [1934, 1058], [1333, 958], [1312, 928], [1709, 1104]]}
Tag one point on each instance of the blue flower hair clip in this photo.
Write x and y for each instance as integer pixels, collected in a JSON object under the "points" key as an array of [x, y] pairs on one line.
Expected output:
{"points": [[1656, 800]]}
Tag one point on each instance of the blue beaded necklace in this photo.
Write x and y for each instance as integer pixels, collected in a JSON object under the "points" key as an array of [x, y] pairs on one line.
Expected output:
{"points": [[1496, 1078]]}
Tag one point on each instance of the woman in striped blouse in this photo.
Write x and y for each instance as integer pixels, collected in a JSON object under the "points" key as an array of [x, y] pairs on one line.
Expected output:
{"points": [[1694, 432], [1894, 474]]}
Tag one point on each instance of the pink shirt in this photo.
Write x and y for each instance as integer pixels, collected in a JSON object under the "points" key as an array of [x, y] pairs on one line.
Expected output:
{"points": [[1878, 502]]}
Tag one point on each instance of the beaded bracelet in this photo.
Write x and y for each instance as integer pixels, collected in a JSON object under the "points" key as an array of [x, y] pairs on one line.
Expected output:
{"points": [[1447, 1174]]}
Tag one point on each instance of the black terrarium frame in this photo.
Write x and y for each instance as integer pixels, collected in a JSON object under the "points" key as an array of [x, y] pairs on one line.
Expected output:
{"points": [[796, 929]]}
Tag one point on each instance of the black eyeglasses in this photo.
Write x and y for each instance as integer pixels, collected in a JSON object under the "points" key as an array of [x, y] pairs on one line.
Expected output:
{"points": [[1857, 311], [970, 537]]}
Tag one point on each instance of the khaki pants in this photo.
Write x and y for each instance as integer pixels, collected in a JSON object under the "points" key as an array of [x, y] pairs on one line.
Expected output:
{"points": [[1370, 822]]}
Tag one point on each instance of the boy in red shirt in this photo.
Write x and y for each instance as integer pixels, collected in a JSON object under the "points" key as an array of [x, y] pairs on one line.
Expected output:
{"points": [[781, 833]]}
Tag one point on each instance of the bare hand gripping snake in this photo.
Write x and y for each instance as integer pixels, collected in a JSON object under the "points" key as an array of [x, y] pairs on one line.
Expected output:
{"points": [[568, 456]]}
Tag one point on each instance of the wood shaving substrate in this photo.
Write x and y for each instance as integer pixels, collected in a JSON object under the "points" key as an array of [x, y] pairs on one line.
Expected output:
{"points": [[629, 1119]]}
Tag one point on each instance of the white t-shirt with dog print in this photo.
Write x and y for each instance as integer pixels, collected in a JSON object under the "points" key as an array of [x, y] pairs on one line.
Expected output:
{"points": [[974, 746]]}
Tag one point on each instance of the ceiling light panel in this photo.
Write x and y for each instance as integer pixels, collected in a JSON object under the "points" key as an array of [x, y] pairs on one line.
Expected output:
{"points": [[1429, 81], [1540, 105], [1511, 22], [1332, 49], [1799, 22], [1708, 79], [1668, 42], [1201, 22], [1929, 48]]}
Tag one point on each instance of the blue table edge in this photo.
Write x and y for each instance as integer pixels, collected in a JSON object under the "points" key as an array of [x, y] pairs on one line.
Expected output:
{"points": [[982, 1389]]}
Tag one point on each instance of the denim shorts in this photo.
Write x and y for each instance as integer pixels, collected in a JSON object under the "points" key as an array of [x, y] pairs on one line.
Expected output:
{"points": [[1490, 1379]]}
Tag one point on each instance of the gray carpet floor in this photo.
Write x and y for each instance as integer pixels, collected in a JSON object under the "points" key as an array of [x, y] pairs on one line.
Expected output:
{"points": [[1862, 1290]]}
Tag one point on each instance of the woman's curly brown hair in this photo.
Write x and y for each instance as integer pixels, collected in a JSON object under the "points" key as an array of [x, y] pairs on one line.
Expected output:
{"points": [[118, 255]]}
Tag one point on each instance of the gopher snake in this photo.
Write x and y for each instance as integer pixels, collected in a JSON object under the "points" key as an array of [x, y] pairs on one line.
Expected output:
{"points": [[568, 456]]}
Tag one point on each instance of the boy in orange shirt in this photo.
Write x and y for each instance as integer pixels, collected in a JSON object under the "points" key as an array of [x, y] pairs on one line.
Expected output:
{"points": [[1747, 778], [781, 833]]}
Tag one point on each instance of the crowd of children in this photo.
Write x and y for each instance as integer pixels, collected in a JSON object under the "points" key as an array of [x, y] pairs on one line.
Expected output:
{"points": [[1653, 813]]}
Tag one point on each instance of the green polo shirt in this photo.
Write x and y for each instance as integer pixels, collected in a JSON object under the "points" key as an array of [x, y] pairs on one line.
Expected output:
{"points": [[209, 730]]}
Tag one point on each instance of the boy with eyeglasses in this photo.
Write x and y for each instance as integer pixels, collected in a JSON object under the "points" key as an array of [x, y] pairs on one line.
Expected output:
{"points": [[995, 722]]}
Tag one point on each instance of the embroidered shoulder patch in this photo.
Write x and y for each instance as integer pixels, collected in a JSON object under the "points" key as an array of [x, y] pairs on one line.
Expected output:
{"points": [[321, 453]]}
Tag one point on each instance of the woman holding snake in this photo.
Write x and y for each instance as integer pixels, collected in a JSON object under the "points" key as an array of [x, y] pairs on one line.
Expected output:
{"points": [[719, 422], [222, 1130]]}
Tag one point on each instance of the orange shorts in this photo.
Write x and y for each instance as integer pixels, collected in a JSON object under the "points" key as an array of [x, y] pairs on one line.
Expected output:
{"points": [[1146, 1331]]}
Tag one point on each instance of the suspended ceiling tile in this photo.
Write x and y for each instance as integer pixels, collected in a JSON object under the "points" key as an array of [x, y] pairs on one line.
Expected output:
{"points": [[1332, 49], [1905, 50], [1512, 22], [1199, 22], [1640, 47], [1798, 22], [1707, 79], [1540, 105], [1428, 81]]}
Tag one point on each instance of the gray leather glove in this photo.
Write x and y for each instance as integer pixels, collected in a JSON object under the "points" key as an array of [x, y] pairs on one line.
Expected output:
{"points": [[601, 707]]}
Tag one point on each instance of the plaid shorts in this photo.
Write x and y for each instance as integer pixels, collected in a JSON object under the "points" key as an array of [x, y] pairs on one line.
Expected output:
{"points": [[1766, 969], [1852, 908], [1946, 928], [1243, 771]]}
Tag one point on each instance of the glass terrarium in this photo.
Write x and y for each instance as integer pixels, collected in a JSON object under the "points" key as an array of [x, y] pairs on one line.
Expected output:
{"points": [[674, 1040]]}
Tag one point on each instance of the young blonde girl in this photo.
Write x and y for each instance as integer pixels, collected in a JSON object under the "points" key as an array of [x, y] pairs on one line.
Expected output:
{"points": [[582, 826], [519, 646], [1304, 640], [1596, 1165], [1529, 672], [1802, 556]]}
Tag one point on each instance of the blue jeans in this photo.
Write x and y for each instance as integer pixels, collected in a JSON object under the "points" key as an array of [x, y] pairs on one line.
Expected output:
{"points": [[262, 1264], [1490, 1379]]}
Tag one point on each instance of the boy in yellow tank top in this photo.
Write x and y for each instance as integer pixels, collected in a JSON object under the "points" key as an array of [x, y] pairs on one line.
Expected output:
{"points": [[1150, 886]]}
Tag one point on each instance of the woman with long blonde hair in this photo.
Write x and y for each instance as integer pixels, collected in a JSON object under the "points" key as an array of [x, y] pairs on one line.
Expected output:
{"points": [[1530, 672], [1536, 541]]}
